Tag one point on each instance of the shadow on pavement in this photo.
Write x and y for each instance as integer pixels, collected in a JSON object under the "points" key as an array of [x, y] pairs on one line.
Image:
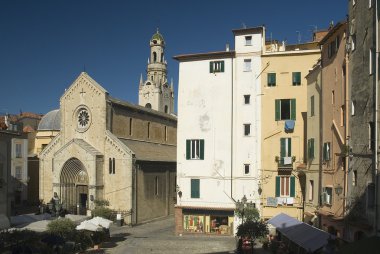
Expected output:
{"points": [[114, 239]]}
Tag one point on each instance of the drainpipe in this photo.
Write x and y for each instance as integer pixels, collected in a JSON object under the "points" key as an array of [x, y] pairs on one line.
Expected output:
{"points": [[347, 137], [376, 118], [232, 123], [320, 144]]}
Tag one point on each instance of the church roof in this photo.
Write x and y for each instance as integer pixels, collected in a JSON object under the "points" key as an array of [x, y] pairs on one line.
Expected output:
{"points": [[51, 121], [147, 151], [157, 36], [142, 109]]}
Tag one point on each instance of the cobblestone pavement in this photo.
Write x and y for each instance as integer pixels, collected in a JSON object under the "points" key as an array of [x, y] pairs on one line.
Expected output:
{"points": [[158, 237]]}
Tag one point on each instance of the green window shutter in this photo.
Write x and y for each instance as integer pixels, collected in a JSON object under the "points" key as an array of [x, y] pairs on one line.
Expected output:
{"points": [[292, 186], [195, 188], [202, 149], [293, 109], [312, 148], [277, 186], [277, 109], [282, 147], [289, 147], [274, 79], [211, 69], [188, 144], [222, 69], [296, 78]]}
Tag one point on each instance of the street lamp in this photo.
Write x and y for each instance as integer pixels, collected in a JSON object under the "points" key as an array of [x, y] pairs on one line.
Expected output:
{"points": [[338, 189]]}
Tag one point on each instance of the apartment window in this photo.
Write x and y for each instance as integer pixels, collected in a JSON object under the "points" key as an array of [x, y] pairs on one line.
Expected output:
{"points": [[371, 135], [247, 64], [310, 149], [216, 66], [247, 99], [311, 190], [286, 151], [312, 105], [285, 186], [333, 97], [18, 151], [354, 178], [342, 116], [353, 108], [327, 195], [337, 42], [285, 109], [248, 40], [246, 169], [18, 173], [156, 186], [326, 151], [247, 129], [271, 79], [371, 61], [195, 149], [195, 188], [296, 78], [331, 49]]}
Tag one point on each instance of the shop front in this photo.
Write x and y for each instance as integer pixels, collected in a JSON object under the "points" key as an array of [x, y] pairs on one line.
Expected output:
{"points": [[208, 221]]}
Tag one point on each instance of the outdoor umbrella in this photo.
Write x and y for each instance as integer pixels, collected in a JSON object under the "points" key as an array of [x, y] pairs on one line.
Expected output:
{"points": [[101, 222], [88, 225]]}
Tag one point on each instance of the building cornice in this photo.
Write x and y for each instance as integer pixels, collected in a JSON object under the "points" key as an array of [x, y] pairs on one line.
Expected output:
{"points": [[205, 56]]}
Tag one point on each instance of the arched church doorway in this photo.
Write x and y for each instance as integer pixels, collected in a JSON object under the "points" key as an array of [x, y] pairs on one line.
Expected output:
{"points": [[74, 186]]}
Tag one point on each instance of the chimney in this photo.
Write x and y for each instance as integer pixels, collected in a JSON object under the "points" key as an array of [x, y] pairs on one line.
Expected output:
{"points": [[227, 47]]}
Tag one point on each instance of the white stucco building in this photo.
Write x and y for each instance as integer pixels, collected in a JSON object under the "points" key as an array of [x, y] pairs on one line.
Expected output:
{"points": [[218, 135]]}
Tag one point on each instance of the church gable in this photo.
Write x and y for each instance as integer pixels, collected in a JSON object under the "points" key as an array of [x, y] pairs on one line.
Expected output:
{"points": [[83, 109]]}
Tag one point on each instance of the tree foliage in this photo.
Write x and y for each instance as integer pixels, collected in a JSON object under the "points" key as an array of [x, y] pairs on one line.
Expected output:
{"points": [[249, 213], [252, 229], [62, 227]]}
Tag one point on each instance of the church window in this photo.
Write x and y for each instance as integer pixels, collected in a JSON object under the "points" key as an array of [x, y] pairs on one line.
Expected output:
{"points": [[154, 57], [148, 105], [166, 133], [148, 130], [156, 186], [111, 166], [130, 126], [162, 57], [166, 108], [216, 66]]}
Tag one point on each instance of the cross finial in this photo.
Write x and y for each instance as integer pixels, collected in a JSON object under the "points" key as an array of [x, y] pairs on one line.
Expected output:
{"points": [[82, 92]]}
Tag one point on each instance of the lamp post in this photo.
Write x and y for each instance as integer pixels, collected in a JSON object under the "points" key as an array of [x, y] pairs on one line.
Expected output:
{"points": [[338, 189]]}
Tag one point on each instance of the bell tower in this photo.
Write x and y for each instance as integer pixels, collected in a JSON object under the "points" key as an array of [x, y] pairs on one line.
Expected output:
{"points": [[155, 92]]}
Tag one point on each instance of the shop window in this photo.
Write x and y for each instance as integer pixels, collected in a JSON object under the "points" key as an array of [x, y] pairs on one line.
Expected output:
{"points": [[193, 223]]}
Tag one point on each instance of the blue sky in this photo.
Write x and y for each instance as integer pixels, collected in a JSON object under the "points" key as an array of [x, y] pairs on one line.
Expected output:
{"points": [[45, 44]]}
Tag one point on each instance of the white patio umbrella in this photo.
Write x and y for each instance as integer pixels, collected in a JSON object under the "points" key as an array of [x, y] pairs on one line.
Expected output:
{"points": [[88, 225], [101, 222]]}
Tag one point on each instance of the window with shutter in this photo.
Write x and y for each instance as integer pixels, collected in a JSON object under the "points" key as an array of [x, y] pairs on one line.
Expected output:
{"points": [[195, 193], [285, 109], [296, 78], [216, 66], [195, 149], [271, 79]]}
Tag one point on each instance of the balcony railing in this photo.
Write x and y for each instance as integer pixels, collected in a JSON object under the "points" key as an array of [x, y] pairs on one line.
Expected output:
{"points": [[285, 162]]}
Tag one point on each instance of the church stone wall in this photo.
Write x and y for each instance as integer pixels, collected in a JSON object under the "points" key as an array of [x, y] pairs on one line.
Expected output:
{"points": [[156, 191], [122, 129]]}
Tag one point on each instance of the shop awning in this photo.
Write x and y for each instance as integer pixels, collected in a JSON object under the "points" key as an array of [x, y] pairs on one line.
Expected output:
{"points": [[302, 234]]}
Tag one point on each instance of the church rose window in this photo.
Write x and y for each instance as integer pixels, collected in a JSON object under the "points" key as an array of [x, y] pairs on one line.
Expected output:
{"points": [[83, 118]]}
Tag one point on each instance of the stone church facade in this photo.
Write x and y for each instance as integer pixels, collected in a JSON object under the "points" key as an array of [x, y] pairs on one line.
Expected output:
{"points": [[112, 150]]}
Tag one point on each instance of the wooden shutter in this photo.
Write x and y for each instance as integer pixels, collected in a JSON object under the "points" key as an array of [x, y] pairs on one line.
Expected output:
{"points": [[277, 110], [202, 149], [282, 148], [289, 147], [222, 68], [188, 144], [194, 188], [292, 186], [211, 65], [278, 178], [293, 109]]}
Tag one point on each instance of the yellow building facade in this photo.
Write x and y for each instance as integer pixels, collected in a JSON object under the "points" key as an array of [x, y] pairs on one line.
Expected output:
{"points": [[284, 125]]}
